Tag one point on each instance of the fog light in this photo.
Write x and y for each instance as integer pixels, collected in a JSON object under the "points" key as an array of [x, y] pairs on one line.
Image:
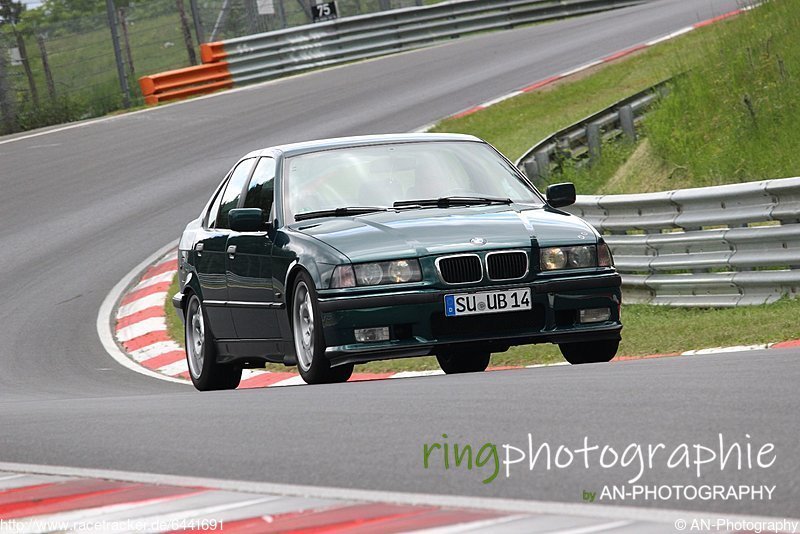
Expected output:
{"points": [[594, 315], [369, 335]]}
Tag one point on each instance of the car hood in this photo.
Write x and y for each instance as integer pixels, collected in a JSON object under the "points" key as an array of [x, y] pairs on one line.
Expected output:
{"points": [[433, 231]]}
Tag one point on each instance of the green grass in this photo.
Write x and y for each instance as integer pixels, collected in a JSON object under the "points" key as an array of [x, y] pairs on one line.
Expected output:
{"points": [[733, 118], [647, 330], [703, 127]]}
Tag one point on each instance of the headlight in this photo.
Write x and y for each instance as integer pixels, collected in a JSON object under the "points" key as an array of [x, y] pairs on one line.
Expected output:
{"points": [[375, 274], [568, 257]]}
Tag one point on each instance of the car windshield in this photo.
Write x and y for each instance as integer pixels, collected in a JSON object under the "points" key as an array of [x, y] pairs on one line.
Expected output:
{"points": [[382, 175]]}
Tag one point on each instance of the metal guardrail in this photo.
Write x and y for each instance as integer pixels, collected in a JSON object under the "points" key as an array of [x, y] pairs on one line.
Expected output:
{"points": [[583, 140], [719, 246], [270, 55]]}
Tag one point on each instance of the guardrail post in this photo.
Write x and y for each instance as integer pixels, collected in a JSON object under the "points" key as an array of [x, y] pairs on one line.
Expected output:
{"points": [[532, 170], [542, 160], [593, 140], [626, 122]]}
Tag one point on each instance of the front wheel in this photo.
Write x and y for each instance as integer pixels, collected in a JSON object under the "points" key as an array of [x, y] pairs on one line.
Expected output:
{"points": [[309, 341], [590, 351], [201, 353], [463, 361]]}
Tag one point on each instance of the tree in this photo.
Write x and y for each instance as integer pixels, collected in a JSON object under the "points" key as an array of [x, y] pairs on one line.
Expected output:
{"points": [[10, 11]]}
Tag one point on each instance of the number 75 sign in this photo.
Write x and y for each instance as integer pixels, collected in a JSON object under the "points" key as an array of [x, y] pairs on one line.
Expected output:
{"points": [[324, 11]]}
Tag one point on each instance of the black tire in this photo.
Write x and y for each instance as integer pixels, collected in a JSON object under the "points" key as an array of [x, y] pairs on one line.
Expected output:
{"points": [[201, 353], [589, 351], [313, 365], [465, 361]]}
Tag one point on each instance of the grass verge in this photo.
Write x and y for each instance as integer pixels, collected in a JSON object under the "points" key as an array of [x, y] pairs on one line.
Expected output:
{"points": [[648, 330]]}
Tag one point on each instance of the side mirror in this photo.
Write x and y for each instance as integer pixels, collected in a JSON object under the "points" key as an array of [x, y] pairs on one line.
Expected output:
{"points": [[560, 195], [246, 219]]}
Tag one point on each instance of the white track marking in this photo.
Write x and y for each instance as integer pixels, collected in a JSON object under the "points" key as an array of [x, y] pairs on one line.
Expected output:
{"points": [[105, 329], [294, 381], [594, 528], [582, 68], [156, 349], [175, 368], [499, 99], [611, 512], [414, 374], [150, 301], [11, 477], [721, 350], [145, 326], [153, 280], [208, 511], [485, 525], [670, 36], [252, 373]]}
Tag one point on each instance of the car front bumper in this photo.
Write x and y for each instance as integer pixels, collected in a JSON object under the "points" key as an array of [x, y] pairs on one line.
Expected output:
{"points": [[418, 326]]}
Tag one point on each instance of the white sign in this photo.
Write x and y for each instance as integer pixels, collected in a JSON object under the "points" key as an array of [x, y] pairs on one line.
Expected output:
{"points": [[16, 58], [266, 7]]}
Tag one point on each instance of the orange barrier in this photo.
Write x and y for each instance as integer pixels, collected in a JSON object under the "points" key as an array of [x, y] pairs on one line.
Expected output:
{"points": [[212, 52], [182, 83]]}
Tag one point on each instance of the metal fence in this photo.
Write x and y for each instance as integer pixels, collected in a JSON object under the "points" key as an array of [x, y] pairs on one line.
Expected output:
{"points": [[583, 140], [721, 246], [226, 19], [273, 54], [63, 70]]}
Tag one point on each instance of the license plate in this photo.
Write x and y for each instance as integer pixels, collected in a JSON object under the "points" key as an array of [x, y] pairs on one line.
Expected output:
{"points": [[487, 302]]}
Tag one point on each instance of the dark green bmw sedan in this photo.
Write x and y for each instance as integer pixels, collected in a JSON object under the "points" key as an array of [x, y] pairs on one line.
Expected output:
{"points": [[330, 253]]}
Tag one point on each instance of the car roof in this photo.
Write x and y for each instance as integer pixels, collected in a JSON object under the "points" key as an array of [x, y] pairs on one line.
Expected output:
{"points": [[306, 147]]}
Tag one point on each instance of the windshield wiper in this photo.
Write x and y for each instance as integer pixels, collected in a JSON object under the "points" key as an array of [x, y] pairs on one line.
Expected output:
{"points": [[339, 212], [446, 202]]}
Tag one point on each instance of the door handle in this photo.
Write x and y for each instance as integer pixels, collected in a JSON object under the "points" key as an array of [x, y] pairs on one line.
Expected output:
{"points": [[231, 251]]}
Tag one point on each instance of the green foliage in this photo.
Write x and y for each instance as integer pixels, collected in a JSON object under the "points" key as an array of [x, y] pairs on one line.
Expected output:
{"points": [[10, 11], [733, 117]]}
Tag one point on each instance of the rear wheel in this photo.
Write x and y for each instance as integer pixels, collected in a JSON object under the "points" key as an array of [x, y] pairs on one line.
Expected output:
{"points": [[309, 341], [201, 353], [590, 351], [457, 362]]}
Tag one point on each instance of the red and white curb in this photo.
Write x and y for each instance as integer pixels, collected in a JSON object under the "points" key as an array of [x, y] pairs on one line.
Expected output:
{"points": [[41, 499], [136, 322], [607, 59]]}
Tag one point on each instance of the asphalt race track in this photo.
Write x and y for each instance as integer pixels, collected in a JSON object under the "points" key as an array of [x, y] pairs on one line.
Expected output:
{"points": [[82, 206]]}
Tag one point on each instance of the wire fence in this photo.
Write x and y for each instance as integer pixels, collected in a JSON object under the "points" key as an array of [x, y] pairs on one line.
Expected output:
{"points": [[226, 19], [54, 71]]}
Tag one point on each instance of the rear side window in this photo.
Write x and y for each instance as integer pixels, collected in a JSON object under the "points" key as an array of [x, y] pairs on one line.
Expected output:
{"points": [[261, 191], [233, 192]]}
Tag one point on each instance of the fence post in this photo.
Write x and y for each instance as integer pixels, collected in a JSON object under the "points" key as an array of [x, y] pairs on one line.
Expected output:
{"points": [[198, 22], [26, 64], [6, 96], [593, 140], [123, 24], [279, 7], [121, 74], [187, 32], [627, 123], [48, 74], [542, 159]]}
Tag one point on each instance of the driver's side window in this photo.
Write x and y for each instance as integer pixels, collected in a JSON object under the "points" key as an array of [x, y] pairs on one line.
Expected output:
{"points": [[229, 197]]}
